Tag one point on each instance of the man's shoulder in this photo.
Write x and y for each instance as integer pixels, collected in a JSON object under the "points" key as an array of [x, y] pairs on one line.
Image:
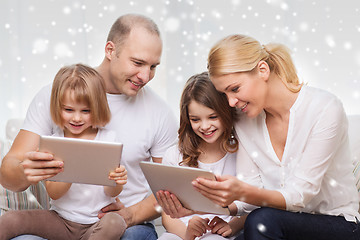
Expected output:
{"points": [[152, 100]]}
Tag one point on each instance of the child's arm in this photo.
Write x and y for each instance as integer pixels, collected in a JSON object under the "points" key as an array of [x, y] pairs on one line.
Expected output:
{"points": [[173, 225], [119, 175], [56, 190]]}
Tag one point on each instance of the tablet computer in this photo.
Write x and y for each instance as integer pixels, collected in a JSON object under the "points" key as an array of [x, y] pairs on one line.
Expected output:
{"points": [[177, 180], [85, 161]]}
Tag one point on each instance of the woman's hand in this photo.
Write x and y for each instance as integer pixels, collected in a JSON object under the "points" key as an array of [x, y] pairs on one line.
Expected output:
{"points": [[171, 205], [223, 191]]}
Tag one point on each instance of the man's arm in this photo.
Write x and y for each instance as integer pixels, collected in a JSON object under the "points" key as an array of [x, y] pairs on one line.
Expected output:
{"points": [[23, 165], [136, 214]]}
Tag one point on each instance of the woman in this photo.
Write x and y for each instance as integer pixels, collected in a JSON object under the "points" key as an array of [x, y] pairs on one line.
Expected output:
{"points": [[293, 164]]}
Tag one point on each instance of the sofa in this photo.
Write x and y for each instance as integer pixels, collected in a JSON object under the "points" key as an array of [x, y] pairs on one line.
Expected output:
{"points": [[36, 197]]}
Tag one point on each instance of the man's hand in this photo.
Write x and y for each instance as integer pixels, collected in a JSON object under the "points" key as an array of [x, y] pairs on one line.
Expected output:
{"points": [[39, 166], [120, 209]]}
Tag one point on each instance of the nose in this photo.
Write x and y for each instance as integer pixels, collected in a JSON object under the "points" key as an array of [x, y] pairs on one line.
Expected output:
{"points": [[205, 125], [77, 117], [232, 101], [144, 75]]}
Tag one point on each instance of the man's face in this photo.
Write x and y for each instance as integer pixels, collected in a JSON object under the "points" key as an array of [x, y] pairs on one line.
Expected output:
{"points": [[134, 64]]}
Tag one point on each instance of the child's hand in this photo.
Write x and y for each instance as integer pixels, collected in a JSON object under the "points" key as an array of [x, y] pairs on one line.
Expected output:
{"points": [[196, 227], [220, 227], [119, 175]]}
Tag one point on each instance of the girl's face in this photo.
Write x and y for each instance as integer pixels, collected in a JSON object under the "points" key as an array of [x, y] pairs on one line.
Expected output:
{"points": [[205, 122], [76, 116], [245, 91]]}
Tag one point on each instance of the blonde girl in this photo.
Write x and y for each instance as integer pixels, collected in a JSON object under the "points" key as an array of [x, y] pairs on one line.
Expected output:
{"points": [[79, 108]]}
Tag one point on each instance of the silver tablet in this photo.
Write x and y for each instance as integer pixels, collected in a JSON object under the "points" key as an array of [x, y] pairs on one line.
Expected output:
{"points": [[177, 180], [85, 161]]}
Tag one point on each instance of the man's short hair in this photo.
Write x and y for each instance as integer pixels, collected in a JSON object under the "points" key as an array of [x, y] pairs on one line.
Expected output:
{"points": [[122, 26]]}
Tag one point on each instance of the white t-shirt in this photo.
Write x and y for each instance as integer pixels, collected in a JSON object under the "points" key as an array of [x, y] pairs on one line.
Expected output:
{"points": [[82, 202], [315, 173], [144, 124], [225, 166]]}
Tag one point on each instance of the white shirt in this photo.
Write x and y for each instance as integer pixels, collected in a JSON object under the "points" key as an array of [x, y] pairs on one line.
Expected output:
{"points": [[315, 172], [82, 202], [224, 166], [144, 124]]}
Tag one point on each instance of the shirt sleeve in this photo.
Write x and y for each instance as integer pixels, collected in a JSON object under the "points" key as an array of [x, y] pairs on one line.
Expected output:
{"points": [[38, 119], [166, 133], [327, 135], [248, 172]]}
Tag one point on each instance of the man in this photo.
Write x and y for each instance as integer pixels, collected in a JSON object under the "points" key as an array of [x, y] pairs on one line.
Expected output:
{"points": [[142, 121]]}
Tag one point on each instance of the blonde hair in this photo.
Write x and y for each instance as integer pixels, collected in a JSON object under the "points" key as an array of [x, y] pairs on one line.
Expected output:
{"points": [[121, 28], [240, 53], [88, 87]]}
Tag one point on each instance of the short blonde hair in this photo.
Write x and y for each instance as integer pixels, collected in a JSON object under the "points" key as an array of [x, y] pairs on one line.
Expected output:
{"points": [[88, 87], [241, 53], [122, 27]]}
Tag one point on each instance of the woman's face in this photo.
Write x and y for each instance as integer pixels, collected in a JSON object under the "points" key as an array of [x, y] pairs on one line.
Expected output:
{"points": [[205, 122], [244, 90]]}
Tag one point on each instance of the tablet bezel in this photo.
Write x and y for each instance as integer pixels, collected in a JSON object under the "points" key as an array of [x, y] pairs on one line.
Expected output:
{"points": [[85, 161], [177, 180]]}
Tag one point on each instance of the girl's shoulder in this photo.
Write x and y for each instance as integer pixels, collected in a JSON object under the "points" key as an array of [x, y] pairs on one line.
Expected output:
{"points": [[172, 156]]}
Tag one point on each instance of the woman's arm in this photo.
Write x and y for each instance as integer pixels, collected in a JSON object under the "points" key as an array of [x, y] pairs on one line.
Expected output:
{"points": [[57, 189], [227, 189]]}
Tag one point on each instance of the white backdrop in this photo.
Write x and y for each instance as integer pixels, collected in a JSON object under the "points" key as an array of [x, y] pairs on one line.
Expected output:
{"points": [[39, 36]]}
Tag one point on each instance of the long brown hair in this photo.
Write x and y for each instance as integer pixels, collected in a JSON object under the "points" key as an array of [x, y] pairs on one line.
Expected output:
{"points": [[200, 89]]}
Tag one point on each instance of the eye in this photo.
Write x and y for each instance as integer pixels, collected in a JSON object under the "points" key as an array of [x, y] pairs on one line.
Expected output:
{"points": [[86, 111], [68, 109], [137, 63], [235, 89], [213, 117], [194, 119], [152, 67]]}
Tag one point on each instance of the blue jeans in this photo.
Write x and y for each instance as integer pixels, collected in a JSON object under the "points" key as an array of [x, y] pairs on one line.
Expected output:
{"points": [[144, 231], [269, 223]]}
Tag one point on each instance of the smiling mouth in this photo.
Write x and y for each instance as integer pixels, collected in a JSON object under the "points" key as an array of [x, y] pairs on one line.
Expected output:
{"points": [[76, 125], [244, 106], [136, 84], [208, 133]]}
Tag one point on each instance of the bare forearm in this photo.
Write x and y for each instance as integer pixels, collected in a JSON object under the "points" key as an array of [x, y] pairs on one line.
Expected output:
{"points": [[113, 191], [12, 174], [174, 225], [143, 211], [237, 224], [57, 189]]}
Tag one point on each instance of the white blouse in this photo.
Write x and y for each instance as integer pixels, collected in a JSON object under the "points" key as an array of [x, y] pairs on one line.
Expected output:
{"points": [[315, 172]]}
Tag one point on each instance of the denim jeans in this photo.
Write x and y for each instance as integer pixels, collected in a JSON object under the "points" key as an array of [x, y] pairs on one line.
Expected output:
{"points": [[144, 231], [269, 223]]}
